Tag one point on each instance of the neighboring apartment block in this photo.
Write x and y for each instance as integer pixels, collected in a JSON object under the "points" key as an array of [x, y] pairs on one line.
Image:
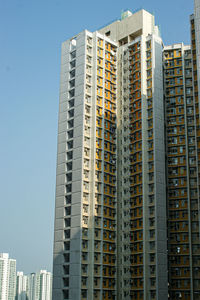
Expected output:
{"points": [[182, 174], [7, 277]]}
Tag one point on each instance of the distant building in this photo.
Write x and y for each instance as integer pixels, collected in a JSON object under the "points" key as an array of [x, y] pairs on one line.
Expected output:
{"points": [[21, 286], [7, 277], [17, 286], [31, 286], [39, 286], [45, 285]]}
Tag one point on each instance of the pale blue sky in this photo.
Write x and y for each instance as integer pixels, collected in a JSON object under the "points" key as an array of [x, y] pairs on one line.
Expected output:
{"points": [[31, 32]]}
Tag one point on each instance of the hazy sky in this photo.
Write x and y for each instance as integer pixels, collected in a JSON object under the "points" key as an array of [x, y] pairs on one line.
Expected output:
{"points": [[31, 32]]}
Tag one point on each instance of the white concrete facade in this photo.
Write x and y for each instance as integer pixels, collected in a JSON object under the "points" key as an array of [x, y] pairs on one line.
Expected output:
{"points": [[7, 277], [21, 286], [38, 286]]}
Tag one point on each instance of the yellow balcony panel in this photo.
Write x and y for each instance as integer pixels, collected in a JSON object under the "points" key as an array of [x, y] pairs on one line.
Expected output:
{"points": [[100, 82], [100, 43], [98, 134], [98, 156], [99, 71], [99, 144], [99, 92], [99, 123], [108, 46], [100, 63], [100, 52]]}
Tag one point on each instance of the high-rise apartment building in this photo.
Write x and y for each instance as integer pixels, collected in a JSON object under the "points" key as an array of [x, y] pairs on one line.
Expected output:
{"points": [[45, 285], [182, 174], [17, 286], [7, 277], [110, 218], [39, 286], [21, 286]]}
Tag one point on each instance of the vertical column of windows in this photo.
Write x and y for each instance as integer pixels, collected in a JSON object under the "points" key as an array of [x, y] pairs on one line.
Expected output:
{"points": [[109, 174], [86, 168], [124, 177], [69, 166], [136, 199], [151, 182], [98, 172]]}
